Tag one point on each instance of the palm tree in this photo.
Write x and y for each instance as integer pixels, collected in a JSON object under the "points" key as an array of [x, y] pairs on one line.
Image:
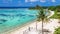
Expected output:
{"points": [[41, 16]]}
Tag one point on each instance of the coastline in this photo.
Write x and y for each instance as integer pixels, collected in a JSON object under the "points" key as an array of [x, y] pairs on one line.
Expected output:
{"points": [[18, 27], [19, 30], [50, 26]]}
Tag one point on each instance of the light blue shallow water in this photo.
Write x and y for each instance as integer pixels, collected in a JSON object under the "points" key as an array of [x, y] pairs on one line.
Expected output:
{"points": [[11, 18]]}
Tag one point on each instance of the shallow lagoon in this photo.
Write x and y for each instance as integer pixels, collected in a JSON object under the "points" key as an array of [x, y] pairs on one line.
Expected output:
{"points": [[11, 18]]}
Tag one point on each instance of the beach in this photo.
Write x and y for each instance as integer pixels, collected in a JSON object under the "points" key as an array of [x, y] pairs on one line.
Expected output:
{"points": [[53, 23], [51, 26]]}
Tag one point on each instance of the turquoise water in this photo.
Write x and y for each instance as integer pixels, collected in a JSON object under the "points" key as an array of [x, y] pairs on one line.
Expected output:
{"points": [[11, 18]]}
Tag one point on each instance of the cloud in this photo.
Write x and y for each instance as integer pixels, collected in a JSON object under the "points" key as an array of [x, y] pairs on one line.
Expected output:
{"points": [[26, 0], [31, 0], [42, 0], [53, 0]]}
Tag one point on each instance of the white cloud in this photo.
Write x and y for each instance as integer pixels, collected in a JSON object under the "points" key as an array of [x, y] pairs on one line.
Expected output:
{"points": [[42, 0], [26, 0], [53, 0], [31, 0]]}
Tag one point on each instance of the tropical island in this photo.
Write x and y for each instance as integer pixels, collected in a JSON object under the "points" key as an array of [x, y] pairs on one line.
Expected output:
{"points": [[46, 20]]}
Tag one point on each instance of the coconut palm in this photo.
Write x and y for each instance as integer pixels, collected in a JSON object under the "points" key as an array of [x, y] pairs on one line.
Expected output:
{"points": [[41, 16]]}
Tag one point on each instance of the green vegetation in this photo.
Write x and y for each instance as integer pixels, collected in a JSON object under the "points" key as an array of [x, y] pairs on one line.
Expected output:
{"points": [[35, 8], [56, 10], [57, 30], [56, 15]]}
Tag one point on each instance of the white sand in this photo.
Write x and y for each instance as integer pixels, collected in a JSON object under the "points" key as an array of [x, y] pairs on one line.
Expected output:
{"points": [[51, 26]]}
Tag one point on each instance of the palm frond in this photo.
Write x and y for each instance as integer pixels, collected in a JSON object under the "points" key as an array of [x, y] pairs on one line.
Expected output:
{"points": [[42, 16]]}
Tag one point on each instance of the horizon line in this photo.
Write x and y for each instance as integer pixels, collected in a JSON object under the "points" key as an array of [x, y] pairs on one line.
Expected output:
{"points": [[12, 7]]}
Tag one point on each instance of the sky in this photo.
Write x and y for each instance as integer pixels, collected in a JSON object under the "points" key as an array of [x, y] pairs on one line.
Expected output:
{"points": [[28, 3]]}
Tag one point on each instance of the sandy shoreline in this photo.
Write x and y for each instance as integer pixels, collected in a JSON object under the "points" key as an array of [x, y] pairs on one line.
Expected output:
{"points": [[51, 26], [19, 27]]}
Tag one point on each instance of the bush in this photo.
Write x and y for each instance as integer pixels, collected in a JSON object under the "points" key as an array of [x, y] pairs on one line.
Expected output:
{"points": [[57, 30]]}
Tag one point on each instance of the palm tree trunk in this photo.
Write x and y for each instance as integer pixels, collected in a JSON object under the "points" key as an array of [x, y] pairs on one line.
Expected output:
{"points": [[42, 27]]}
